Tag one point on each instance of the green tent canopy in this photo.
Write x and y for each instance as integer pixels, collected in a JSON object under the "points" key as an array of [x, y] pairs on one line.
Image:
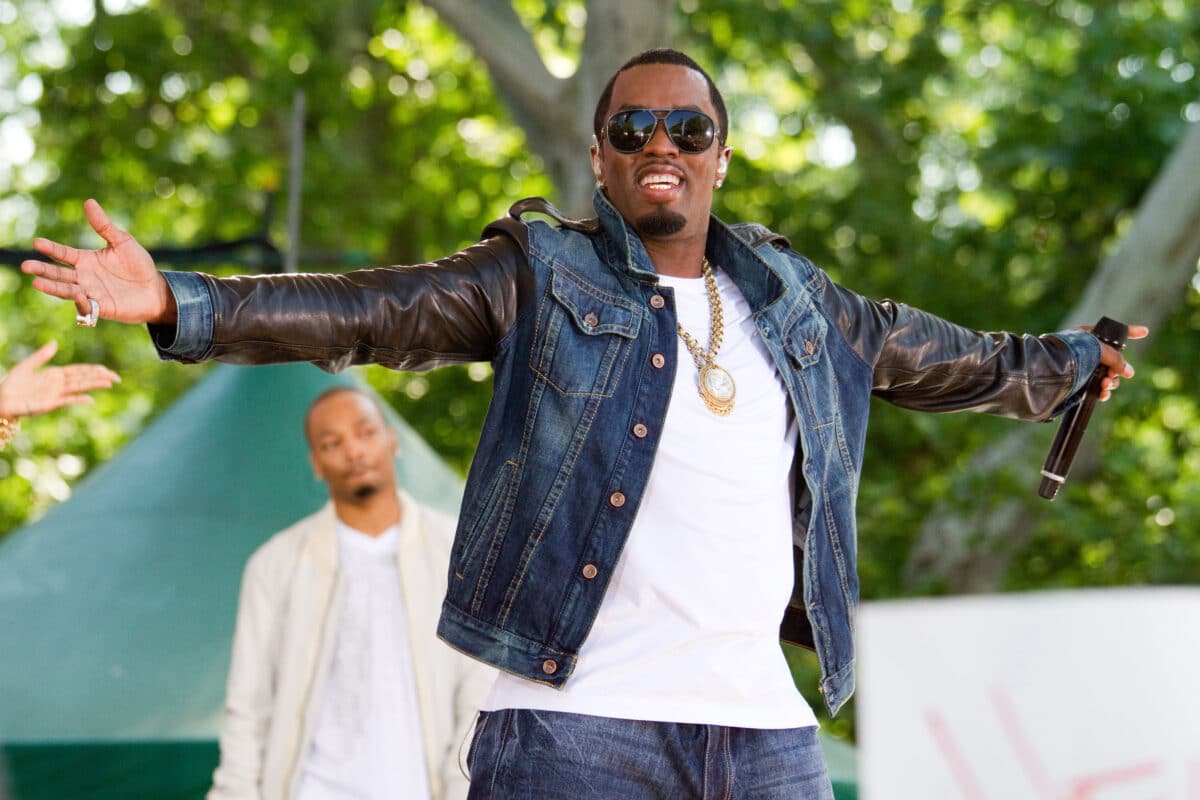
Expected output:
{"points": [[117, 607]]}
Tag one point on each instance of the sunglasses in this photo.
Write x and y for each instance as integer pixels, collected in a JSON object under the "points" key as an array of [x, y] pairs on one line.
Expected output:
{"points": [[630, 130]]}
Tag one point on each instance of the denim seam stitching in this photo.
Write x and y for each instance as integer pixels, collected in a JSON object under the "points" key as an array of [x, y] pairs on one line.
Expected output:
{"points": [[550, 505], [589, 288], [500, 484], [623, 303], [508, 717], [499, 534], [549, 348], [835, 546]]}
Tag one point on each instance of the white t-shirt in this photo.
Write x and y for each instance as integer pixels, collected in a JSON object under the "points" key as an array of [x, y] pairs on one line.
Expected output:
{"points": [[366, 742], [688, 630]]}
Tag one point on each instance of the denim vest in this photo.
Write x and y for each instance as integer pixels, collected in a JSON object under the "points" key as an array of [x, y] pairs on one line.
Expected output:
{"points": [[559, 474]]}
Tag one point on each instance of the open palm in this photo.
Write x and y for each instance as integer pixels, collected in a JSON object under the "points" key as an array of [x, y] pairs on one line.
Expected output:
{"points": [[32, 388], [120, 277]]}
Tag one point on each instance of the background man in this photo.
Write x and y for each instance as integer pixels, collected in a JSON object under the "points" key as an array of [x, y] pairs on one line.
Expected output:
{"points": [[338, 687], [670, 460]]}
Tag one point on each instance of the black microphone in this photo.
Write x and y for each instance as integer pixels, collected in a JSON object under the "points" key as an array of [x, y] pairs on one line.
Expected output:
{"points": [[1074, 423]]}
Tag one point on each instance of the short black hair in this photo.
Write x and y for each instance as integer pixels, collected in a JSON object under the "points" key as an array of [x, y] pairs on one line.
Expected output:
{"points": [[662, 55], [335, 390]]}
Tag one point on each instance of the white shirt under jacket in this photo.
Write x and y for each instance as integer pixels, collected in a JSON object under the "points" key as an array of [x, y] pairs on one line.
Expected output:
{"points": [[287, 629], [672, 641]]}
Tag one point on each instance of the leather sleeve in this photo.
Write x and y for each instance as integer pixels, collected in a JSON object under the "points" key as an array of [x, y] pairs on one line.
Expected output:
{"points": [[453, 310], [923, 362]]}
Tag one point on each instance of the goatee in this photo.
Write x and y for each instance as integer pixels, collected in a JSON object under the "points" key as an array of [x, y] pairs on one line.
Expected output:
{"points": [[661, 222], [365, 492]]}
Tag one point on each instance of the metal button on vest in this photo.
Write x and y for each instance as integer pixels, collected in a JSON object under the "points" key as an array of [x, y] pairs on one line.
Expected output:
{"points": [[617, 499], [657, 360], [549, 666], [640, 431], [589, 571], [809, 347], [591, 320], [657, 301]]}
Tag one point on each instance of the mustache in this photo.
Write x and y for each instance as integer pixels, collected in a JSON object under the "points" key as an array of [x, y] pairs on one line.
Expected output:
{"points": [[657, 162], [357, 466]]}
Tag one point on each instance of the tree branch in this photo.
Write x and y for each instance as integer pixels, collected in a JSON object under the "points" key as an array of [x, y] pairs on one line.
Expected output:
{"points": [[497, 36], [617, 30]]}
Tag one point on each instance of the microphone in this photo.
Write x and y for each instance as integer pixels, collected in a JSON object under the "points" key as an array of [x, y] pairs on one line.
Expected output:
{"points": [[1074, 423]]}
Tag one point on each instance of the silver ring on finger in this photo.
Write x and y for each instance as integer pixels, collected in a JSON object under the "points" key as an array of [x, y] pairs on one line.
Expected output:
{"points": [[90, 319]]}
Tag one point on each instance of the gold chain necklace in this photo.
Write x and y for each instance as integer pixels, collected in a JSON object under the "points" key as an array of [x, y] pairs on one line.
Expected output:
{"points": [[716, 384]]}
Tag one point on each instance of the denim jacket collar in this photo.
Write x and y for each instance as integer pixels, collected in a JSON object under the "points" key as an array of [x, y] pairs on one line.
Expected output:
{"points": [[627, 253], [755, 278]]}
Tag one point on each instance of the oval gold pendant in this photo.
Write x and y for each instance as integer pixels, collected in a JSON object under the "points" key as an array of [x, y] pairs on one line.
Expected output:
{"points": [[717, 389]]}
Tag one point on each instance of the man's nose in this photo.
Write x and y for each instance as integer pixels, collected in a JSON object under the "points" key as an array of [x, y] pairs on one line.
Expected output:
{"points": [[660, 141], [355, 449]]}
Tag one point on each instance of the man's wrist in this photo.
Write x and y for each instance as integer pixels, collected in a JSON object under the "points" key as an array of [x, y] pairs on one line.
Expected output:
{"points": [[7, 411], [9, 427], [170, 309], [188, 337]]}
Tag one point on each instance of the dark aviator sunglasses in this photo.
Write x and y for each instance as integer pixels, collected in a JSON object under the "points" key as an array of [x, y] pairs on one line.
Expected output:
{"points": [[631, 129]]}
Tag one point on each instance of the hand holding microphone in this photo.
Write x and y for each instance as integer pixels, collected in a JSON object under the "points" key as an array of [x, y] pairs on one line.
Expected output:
{"points": [[1070, 432]]}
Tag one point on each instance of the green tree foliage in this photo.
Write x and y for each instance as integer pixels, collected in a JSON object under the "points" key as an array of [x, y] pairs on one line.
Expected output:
{"points": [[977, 159], [176, 116]]}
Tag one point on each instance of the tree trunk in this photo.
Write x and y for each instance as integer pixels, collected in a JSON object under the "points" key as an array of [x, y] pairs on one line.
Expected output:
{"points": [[556, 113], [968, 548]]}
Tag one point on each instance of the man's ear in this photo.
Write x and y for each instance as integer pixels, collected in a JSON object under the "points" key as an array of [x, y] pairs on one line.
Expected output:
{"points": [[595, 153], [312, 462], [723, 161], [722, 165]]}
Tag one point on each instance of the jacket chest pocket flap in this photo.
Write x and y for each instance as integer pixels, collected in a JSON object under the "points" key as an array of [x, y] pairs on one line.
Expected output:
{"points": [[805, 341], [818, 392], [584, 337]]}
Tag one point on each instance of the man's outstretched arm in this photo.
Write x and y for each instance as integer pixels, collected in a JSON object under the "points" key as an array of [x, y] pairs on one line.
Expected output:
{"points": [[452, 310], [926, 363]]}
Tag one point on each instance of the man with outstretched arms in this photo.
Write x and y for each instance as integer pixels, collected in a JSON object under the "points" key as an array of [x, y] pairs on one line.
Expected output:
{"points": [[666, 478]]}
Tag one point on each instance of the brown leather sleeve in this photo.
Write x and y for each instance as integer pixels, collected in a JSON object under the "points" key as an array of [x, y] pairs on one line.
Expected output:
{"points": [[453, 310], [923, 362]]}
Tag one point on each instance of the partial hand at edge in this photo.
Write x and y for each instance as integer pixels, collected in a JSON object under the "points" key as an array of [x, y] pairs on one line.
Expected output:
{"points": [[27, 390], [121, 277]]}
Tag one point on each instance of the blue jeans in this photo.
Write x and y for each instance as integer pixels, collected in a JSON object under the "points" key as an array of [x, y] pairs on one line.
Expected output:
{"points": [[521, 753]]}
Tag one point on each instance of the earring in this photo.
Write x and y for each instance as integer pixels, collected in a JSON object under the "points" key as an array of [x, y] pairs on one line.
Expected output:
{"points": [[717, 183]]}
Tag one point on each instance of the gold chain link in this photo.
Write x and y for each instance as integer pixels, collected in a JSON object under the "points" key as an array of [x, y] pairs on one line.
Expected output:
{"points": [[716, 321]]}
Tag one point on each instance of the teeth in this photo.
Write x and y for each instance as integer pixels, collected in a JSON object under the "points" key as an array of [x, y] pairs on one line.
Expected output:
{"points": [[660, 181]]}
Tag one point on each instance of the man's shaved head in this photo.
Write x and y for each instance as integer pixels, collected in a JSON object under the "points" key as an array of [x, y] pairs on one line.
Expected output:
{"points": [[333, 392]]}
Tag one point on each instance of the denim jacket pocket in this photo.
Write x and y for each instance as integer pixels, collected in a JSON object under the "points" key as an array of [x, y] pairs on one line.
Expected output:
{"points": [[489, 516], [584, 337], [805, 341]]}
